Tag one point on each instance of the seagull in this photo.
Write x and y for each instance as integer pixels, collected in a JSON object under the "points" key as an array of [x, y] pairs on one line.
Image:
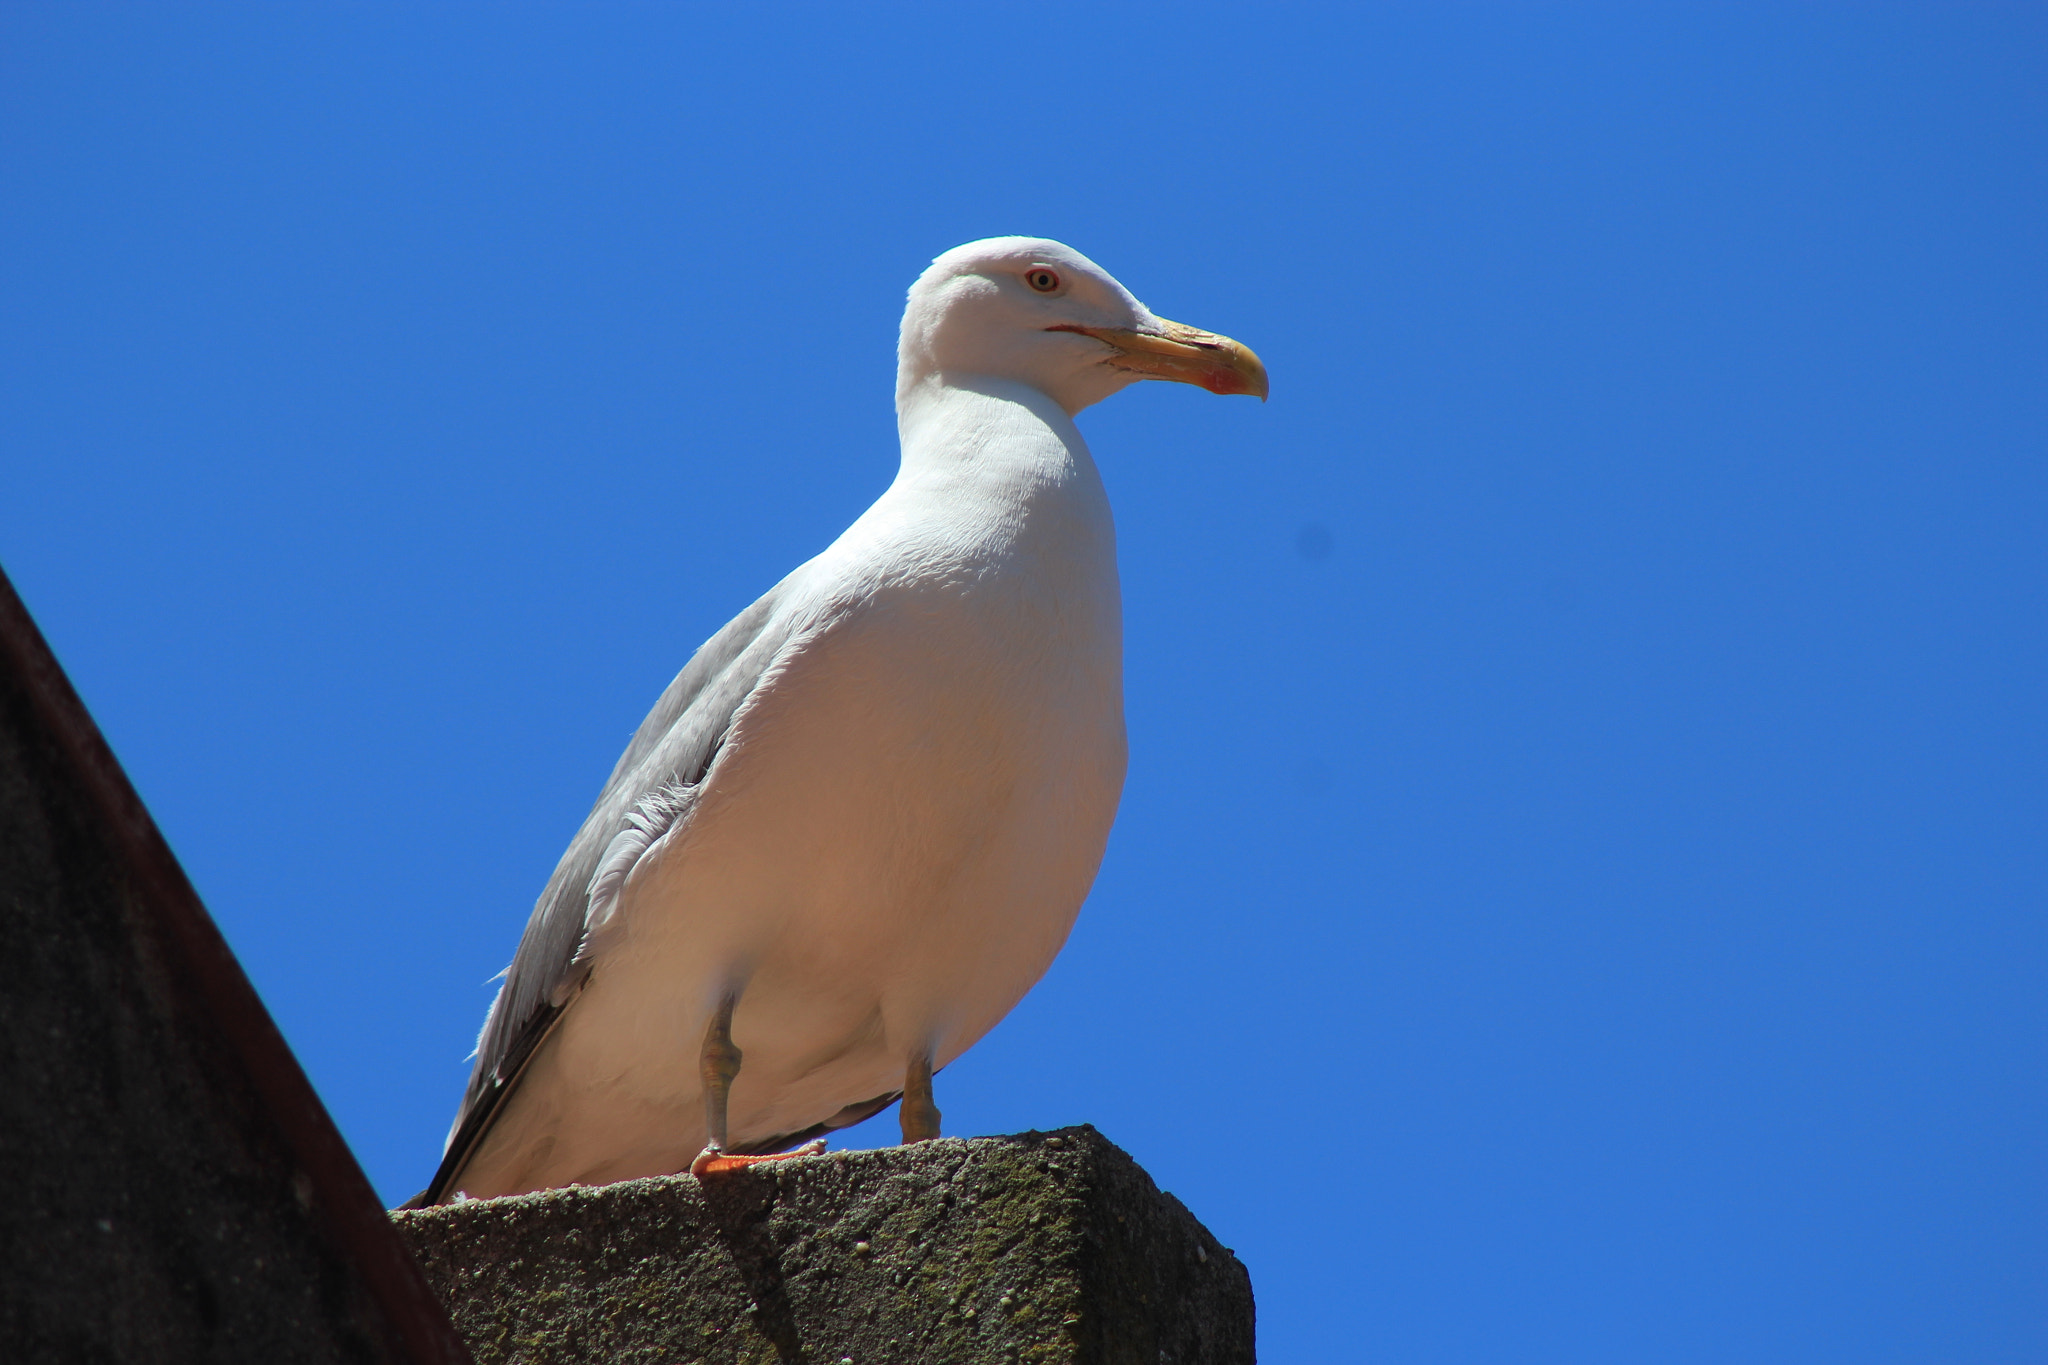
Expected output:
{"points": [[859, 824]]}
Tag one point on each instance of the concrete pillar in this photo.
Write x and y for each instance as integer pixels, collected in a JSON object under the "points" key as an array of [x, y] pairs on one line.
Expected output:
{"points": [[1045, 1248]]}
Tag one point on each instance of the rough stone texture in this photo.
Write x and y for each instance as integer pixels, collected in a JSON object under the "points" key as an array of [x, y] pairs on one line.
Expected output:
{"points": [[1047, 1248], [176, 1192]]}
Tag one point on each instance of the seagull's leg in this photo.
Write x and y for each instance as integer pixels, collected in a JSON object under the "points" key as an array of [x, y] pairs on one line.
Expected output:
{"points": [[720, 1064], [919, 1115]]}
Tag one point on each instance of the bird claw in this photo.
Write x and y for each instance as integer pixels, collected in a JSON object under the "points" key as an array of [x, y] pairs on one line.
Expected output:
{"points": [[711, 1161]]}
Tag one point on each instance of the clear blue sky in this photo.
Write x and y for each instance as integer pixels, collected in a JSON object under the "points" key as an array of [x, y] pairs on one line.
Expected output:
{"points": [[1579, 895]]}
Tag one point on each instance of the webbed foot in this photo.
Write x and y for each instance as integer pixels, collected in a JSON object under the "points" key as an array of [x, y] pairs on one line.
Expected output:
{"points": [[711, 1161]]}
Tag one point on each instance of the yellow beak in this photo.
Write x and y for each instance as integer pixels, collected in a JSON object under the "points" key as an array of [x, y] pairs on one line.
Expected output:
{"points": [[1187, 355]]}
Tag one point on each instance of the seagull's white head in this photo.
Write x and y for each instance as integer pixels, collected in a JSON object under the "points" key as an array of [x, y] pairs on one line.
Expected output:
{"points": [[1035, 312]]}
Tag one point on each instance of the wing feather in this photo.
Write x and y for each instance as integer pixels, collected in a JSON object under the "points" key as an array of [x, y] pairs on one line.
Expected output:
{"points": [[650, 792]]}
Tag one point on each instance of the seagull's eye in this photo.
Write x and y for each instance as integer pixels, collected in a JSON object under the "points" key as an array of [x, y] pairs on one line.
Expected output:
{"points": [[1043, 280]]}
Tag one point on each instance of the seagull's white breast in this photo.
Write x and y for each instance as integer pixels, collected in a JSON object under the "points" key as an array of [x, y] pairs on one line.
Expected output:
{"points": [[896, 836]]}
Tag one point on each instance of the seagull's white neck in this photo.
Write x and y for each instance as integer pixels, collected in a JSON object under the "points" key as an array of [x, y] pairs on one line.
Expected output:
{"points": [[995, 472], [963, 425]]}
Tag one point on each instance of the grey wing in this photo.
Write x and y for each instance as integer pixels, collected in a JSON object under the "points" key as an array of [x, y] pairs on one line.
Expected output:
{"points": [[649, 791]]}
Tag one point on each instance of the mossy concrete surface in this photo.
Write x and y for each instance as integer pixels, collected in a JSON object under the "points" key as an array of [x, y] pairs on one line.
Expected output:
{"points": [[1041, 1249]]}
